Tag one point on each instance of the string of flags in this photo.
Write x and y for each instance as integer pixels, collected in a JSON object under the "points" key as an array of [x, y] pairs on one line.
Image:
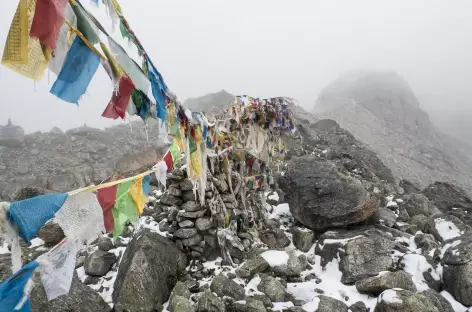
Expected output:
{"points": [[64, 37]]}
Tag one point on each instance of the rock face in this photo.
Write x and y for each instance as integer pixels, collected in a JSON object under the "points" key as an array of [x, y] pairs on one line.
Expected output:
{"points": [[381, 110], [446, 196], [328, 304], [148, 271], [64, 161], [81, 298], [321, 197], [378, 284]]}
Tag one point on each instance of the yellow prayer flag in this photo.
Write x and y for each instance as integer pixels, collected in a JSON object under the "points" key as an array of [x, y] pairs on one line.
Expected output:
{"points": [[22, 53], [137, 194]]}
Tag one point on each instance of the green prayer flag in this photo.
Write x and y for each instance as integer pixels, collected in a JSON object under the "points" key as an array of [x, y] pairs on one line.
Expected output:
{"points": [[124, 31], [84, 24], [174, 150], [191, 144], [125, 209]]}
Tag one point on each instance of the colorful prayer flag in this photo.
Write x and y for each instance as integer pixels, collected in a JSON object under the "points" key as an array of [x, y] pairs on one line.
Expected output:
{"points": [[158, 89], [137, 194], [120, 99], [175, 152], [12, 294], [75, 76], [47, 21], [142, 103], [169, 161], [31, 214], [84, 25], [124, 209], [106, 198]]}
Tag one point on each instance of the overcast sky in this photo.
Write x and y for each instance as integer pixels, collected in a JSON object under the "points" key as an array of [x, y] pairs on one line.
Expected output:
{"points": [[270, 48]]}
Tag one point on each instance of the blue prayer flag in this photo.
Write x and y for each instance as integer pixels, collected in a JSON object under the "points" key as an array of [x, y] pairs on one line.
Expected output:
{"points": [[159, 89], [11, 291], [79, 67], [31, 214], [146, 184]]}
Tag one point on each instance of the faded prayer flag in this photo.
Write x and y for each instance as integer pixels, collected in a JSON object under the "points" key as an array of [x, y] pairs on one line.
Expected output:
{"points": [[106, 198], [125, 209], [47, 21], [75, 76]]}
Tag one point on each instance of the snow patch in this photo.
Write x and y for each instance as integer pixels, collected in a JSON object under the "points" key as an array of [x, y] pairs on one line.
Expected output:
{"points": [[251, 288], [415, 265], [36, 242], [151, 224], [342, 242], [457, 306], [275, 257], [274, 196], [447, 229], [280, 306], [312, 306], [281, 210], [4, 249], [389, 296]]}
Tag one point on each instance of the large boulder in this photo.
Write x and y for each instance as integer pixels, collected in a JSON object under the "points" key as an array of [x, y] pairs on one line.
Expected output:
{"points": [[446, 227], [418, 204], [322, 197], [302, 238], [208, 302], [328, 304], [99, 263], [252, 266], [438, 300], [148, 271], [223, 286], [446, 196], [80, 298], [404, 301], [457, 271], [272, 288], [51, 233]]}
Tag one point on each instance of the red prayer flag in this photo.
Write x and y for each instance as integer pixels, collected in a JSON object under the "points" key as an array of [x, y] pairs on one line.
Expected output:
{"points": [[120, 99], [47, 21], [106, 198], [168, 160]]}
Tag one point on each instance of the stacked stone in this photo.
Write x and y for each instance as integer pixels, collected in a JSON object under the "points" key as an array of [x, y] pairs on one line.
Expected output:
{"points": [[187, 222]]}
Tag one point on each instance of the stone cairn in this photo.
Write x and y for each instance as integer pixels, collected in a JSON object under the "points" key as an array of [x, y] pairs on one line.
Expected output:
{"points": [[227, 224]]}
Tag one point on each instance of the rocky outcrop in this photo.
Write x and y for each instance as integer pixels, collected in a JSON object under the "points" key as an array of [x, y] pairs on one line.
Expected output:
{"points": [[381, 110], [446, 196], [149, 269], [65, 161], [404, 301], [322, 197]]}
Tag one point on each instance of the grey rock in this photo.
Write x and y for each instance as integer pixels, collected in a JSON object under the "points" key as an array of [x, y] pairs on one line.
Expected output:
{"points": [[203, 224], [387, 217], [438, 300], [365, 257], [446, 196], [458, 282], [221, 185], [173, 212], [321, 197], [403, 215], [408, 187], [191, 215], [192, 241], [99, 263], [358, 307], [172, 190], [105, 244], [264, 299], [420, 221], [191, 206], [460, 251], [180, 304], [328, 304], [272, 288], [170, 200], [295, 265], [185, 233], [223, 286], [377, 284], [435, 226], [252, 266], [188, 196], [418, 204], [186, 224], [403, 301], [81, 298], [426, 242], [147, 274], [275, 238], [186, 185], [180, 289], [302, 238], [164, 226], [208, 302], [228, 198], [51, 233]]}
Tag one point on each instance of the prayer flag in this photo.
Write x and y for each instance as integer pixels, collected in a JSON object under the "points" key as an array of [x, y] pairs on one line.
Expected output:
{"points": [[31, 214], [47, 21], [58, 269], [12, 291], [22, 53], [175, 152], [120, 99], [81, 217], [142, 103], [137, 194], [146, 185], [106, 198], [124, 209], [169, 161], [158, 89], [84, 25], [161, 173], [75, 76]]}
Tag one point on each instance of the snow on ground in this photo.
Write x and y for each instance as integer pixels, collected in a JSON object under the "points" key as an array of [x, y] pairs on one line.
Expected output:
{"points": [[275, 257], [151, 224], [281, 210], [274, 196], [4, 249], [447, 229], [36, 242], [415, 265], [457, 306], [331, 285], [389, 296]]}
